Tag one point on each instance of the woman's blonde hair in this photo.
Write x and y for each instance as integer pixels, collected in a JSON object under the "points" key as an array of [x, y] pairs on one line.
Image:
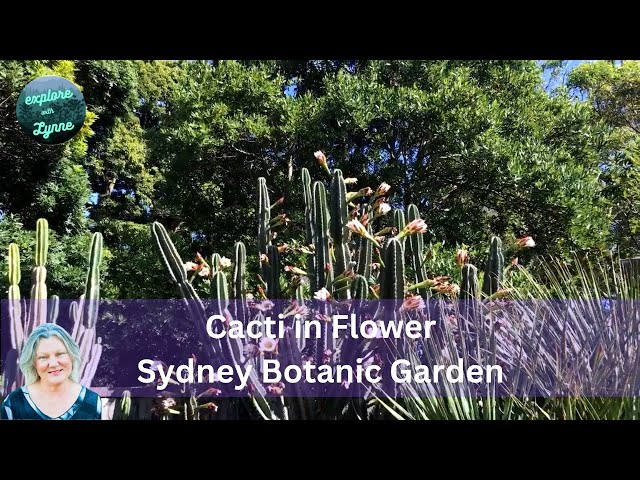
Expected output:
{"points": [[28, 355]]}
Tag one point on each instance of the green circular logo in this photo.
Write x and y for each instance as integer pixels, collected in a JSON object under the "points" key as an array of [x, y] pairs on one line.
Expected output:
{"points": [[51, 110]]}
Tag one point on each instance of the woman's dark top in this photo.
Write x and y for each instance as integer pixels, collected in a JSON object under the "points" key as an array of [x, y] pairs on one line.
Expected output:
{"points": [[19, 406]]}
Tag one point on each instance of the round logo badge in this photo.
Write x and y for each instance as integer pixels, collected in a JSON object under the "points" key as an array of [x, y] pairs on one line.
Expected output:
{"points": [[51, 110]]}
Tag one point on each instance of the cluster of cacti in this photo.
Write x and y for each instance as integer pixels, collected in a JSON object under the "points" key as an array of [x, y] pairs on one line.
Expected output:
{"points": [[230, 350], [340, 245], [25, 317]]}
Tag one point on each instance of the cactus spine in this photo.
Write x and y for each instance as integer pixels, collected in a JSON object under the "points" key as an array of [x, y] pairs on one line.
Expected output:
{"points": [[270, 269]]}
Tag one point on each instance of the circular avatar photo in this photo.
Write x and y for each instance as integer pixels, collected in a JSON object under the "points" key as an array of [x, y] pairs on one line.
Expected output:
{"points": [[51, 110]]}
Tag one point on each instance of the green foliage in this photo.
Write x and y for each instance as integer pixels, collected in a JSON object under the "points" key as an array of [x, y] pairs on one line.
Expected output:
{"points": [[477, 146], [614, 92], [66, 259], [37, 180]]}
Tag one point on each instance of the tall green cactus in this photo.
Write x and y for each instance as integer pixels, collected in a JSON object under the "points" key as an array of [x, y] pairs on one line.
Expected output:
{"points": [[494, 269], [415, 252], [38, 310], [309, 227], [84, 327], [220, 292], [469, 286], [264, 216], [392, 284], [399, 222], [339, 231], [273, 272], [238, 283], [178, 275], [365, 255], [391, 293], [15, 308], [216, 263], [323, 272]]}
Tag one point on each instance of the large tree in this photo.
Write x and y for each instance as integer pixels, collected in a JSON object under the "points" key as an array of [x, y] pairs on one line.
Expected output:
{"points": [[479, 146], [39, 180], [613, 88]]}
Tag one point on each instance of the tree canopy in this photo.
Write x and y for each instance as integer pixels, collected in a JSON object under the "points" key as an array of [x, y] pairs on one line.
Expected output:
{"points": [[479, 146]]}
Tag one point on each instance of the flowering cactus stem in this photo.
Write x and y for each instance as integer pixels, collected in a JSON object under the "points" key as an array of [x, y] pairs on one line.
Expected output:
{"points": [[321, 236], [179, 275], [415, 252], [493, 272], [391, 288], [323, 275], [228, 349]]}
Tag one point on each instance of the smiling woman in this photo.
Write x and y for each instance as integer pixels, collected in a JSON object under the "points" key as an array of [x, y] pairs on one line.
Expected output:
{"points": [[50, 362]]}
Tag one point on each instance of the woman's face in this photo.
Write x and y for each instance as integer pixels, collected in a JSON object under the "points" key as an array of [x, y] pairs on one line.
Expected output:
{"points": [[53, 362]]}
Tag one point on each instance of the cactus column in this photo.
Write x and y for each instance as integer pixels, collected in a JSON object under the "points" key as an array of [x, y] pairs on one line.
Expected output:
{"points": [[416, 249], [339, 231], [494, 268]]}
